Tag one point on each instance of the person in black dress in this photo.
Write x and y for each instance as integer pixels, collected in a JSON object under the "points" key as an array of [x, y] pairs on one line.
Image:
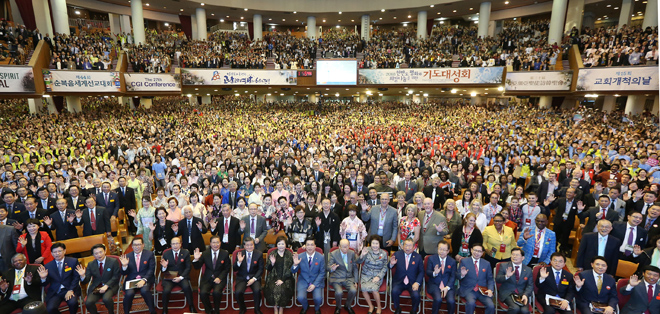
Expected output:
{"points": [[279, 281], [161, 232]]}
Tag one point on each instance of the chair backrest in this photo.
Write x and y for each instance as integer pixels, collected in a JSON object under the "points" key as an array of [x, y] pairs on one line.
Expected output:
{"points": [[535, 274], [302, 250], [625, 269], [623, 299], [84, 244], [271, 237], [207, 238], [426, 262], [497, 271]]}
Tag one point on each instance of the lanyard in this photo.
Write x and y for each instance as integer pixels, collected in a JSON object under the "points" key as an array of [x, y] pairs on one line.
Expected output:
{"points": [[467, 235]]}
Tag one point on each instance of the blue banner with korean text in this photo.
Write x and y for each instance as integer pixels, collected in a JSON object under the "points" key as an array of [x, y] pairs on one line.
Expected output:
{"points": [[638, 78]]}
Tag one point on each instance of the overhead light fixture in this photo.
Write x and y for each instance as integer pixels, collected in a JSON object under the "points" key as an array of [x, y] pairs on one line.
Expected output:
{"points": [[426, 95], [294, 12], [147, 4], [473, 94], [454, 11], [380, 18], [202, 4], [212, 14], [591, 95], [77, 12], [433, 5], [395, 17], [609, 5], [323, 21], [382, 10], [181, 10], [616, 8], [166, 24], [471, 9], [245, 9], [409, 16], [222, 20], [500, 88], [339, 12], [506, 2], [410, 91]]}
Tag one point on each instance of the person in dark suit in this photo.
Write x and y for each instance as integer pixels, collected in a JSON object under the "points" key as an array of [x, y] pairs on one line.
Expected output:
{"points": [[45, 202], [217, 264], [641, 201], [63, 282], [553, 280], [190, 229], [630, 234], [6, 221], [62, 221], [94, 219], [108, 200], [515, 277], [408, 186], [177, 260], [232, 196], [248, 269], [8, 241], [476, 272], [642, 292], [103, 274], [126, 198], [32, 212], [140, 264], [651, 224], [96, 189], [600, 243], [227, 228], [596, 286], [11, 204], [75, 200], [441, 278], [254, 226], [310, 267], [595, 214], [436, 193], [565, 213], [407, 275], [26, 277]]}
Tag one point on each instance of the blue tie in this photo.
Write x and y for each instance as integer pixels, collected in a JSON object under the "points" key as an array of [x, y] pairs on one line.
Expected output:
{"points": [[557, 278]]}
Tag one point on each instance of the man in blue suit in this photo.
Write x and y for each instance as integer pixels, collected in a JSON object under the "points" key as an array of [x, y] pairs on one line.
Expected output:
{"points": [[596, 286], [407, 275], [515, 278], [62, 221], [640, 302], [475, 272], [312, 275], [555, 281], [141, 265], [538, 243], [441, 278], [63, 281]]}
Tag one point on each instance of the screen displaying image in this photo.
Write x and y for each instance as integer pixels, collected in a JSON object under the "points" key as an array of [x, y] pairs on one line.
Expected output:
{"points": [[336, 72]]}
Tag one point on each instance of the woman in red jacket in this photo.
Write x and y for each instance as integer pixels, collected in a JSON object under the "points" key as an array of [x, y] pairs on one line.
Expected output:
{"points": [[35, 244]]}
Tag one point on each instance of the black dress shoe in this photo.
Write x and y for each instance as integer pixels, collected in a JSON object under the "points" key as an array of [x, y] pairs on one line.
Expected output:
{"points": [[192, 309], [303, 311], [398, 311], [257, 311], [337, 311], [241, 311], [317, 312], [349, 310]]}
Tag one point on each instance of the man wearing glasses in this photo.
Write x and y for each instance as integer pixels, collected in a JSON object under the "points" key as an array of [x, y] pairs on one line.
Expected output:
{"points": [[476, 276]]}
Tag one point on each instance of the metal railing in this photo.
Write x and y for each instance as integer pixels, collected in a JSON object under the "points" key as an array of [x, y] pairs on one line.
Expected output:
{"points": [[88, 23]]}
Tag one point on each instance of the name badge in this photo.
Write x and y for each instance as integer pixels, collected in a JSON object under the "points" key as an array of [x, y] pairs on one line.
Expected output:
{"points": [[502, 248], [252, 235], [16, 290], [225, 238], [528, 221], [162, 242], [351, 236]]}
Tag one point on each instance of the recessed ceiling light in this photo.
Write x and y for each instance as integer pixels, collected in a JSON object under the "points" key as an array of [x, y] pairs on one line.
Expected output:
{"points": [[227, 16], [382, 10], [506, 2], [339, 12], [616, 8], [338, 20], [380, 18], [352, 20], [433, 5], [222, 20], [609, 5], [241, 17], [409, 16], [202, 4], [245, 9], [323, 21], [471, 9], [294, 12], [395, 17], [438, 13], [212, 14], [147, 4], [181, 10], [283, 20]]}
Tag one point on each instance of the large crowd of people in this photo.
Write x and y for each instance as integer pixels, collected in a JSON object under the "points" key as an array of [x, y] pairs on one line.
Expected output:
{"points": [[492, 189]]}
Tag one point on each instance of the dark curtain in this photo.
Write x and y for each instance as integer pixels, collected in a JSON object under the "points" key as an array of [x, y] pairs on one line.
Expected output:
{"points": [[136, 102], [186, 25], [199, 100], [59, 103], [251, 30], [27, 14], [429, 27]]}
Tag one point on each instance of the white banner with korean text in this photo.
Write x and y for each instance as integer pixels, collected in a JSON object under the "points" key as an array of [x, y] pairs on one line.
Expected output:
{"points": [[449, 76], [638, 78], [539, 81], [82, 81], [238, 77]]}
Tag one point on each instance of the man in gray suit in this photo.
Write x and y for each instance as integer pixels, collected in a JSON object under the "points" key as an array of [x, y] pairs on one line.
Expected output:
{"points": [[254, 226], [384, 222], [343, 273], [515, 278], [408, 186], [8, 239], [433, 228]]}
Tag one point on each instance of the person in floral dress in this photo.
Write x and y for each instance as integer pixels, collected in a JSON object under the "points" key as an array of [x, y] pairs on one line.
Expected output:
{"points": [[352, 228], [409, 226]]}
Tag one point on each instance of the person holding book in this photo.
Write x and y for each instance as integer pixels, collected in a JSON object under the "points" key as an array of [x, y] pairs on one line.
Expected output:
{"points": [[555, 283], [175, 265], [138, 267]]}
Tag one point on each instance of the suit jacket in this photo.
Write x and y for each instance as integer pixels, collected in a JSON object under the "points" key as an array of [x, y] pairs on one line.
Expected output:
{"points": [[524, 284], [63, 229], [147, 267], [234, 237], [620, 229], [16, 209], [390, 225], [192, 239], [8, 240], [69, 278], [110, 277], [428, 241], [559, 205], [222, 265], [471, 280], [50, 206], [345, 272], [80, 204], [102, 222], [415, 271], [654, 229], [127, 199], [439, 196], [639, 300], [181, 265], [33, 289], [260, 231], [112, 207], [316, 178], [565, 289], [589, 248], [92, 191], [446, 277], [611, 215], [549, 245], [589, 291], [412, 189], [256, 267], [227, 199], [39, 214]]}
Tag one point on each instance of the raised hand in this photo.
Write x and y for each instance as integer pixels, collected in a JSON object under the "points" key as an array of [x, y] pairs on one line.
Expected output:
{"points": [[272, 259], [48, 221], [334, 266], [199, 225], [578, 282], [152, 226], [22, 241], [242, 224], [197, 254], [464, 271], [240, 257], [437, 269], [296, 259], [318, 221], [81, 270], [132, 213], [164, 262], [124, 260], [527, 234], [580, 205], [43, 272], [79, 214], [4, 285], [213, 223], [393, 260], [70, 218], [544, 272], [509, 272], [17, 225], [634, 280]]}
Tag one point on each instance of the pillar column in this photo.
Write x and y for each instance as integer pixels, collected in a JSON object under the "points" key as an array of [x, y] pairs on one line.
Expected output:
{"points": [[545, 102], [588, 20], [200, 13], [365, 27], [146, 102], [556, 31], [125, 101], [125, 23], [491, 28], [138, 21], [206, 100], [476, 100], [35, 105], [651, 16], [635, 104], [193, 25], [656, 107], [484, 18], [73, 104], [574, 15], [115, 23], [626, 11], [51, 105], [609, 104], [421, 24], [60, 16], [257, 27], [42, 16], [312, 98], [363, 98], [311, 27]]}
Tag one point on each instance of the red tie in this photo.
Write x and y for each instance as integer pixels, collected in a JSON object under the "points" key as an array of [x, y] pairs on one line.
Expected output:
{"points": [[137, 262], [176, 257], [476, 271], [650, 290], [406, 186], [226, 226], [92, 219]]}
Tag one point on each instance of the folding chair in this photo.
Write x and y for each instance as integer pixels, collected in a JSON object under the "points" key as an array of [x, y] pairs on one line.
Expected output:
{"points": [[248, 290], [427, 298], [225, 292], [404, 295], [295, 295], [383, 291], [330, 288], [100, 301], [501, 306], [266, 276], [176, 290]]}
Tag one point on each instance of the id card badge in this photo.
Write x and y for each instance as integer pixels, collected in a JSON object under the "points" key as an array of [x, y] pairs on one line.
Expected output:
{"points": [[464, 248], [16, 290], [565, 216], [351, 236], [380, 227], [528, 222], [629, 248], [326, 238], [162, 242], [502, 248], [252, 235], [225, 238]]}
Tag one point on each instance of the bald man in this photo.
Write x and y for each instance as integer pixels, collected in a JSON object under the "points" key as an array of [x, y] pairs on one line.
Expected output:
{"points": [[343, 273]]}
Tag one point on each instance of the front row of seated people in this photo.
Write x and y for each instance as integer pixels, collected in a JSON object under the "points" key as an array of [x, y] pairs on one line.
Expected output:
{"points": [[62, 277]]}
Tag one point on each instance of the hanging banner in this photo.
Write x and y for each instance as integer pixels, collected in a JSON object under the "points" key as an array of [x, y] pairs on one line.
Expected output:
{"points": [[239, 77], [448, 76], [16, 79], [143, 82], [81, 81], [639, 78], [539, 81]]}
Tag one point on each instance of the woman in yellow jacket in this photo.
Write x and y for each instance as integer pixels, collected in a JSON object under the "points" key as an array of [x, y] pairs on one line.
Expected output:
{"points": [[498, 241]]}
